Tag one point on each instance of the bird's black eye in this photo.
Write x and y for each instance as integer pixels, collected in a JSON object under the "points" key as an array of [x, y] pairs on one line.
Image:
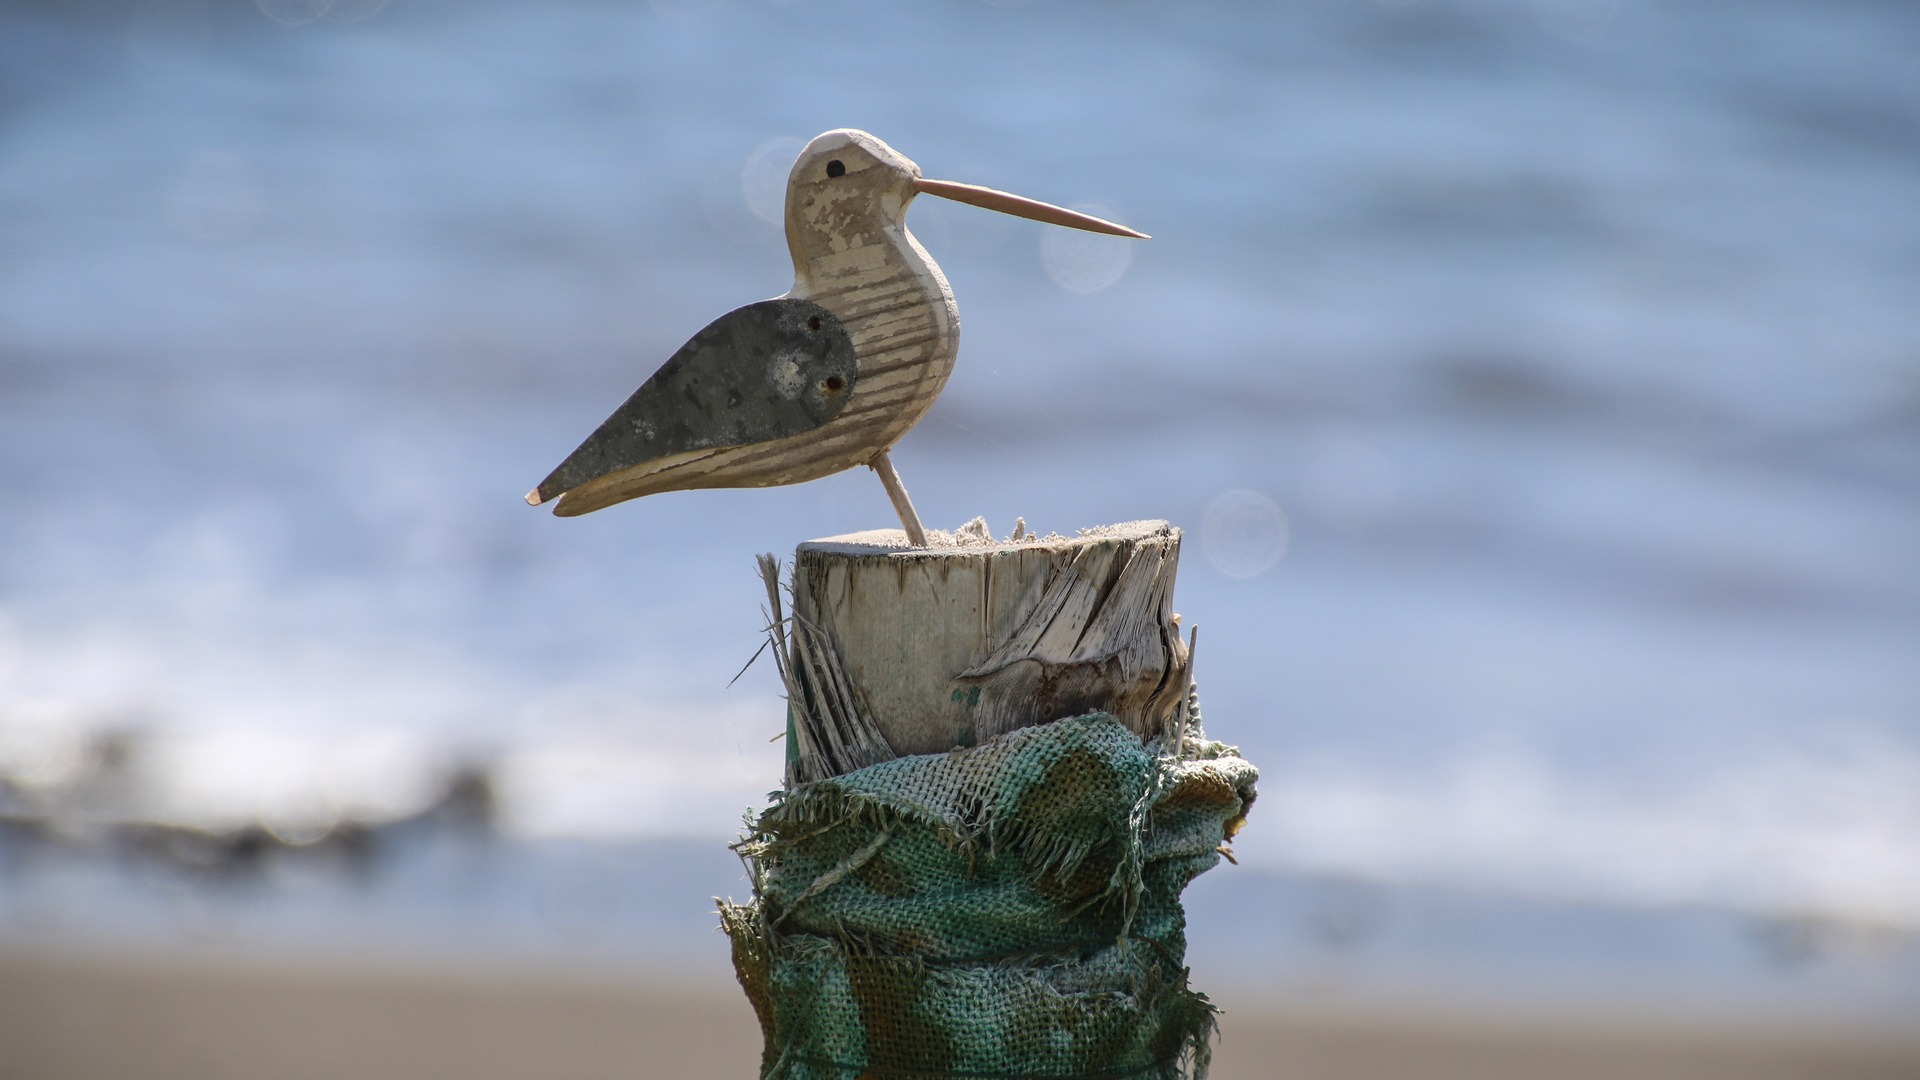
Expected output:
{"points": [[813, 323], [835, 384], [835, 168]]}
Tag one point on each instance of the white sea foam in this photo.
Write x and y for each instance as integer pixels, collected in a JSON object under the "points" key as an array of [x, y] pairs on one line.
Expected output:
{"points": [[1778, 833]]}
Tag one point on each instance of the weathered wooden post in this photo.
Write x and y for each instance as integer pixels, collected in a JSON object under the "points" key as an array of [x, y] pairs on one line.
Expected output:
{"points": [[997, 789], [917, 650]]}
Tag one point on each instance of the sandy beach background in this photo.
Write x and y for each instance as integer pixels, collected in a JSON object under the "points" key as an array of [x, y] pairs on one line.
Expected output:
{"points": [[154, 1018]]}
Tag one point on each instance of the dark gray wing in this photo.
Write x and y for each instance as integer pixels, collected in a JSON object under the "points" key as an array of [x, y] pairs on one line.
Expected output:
{"points": [[757, 373]]}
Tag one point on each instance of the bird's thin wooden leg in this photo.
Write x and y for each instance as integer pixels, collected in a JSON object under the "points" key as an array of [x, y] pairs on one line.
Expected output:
{"points": [[902, 505]]}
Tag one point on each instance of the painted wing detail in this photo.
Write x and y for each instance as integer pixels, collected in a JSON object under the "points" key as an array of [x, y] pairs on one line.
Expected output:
{"points": [[757, 373]]}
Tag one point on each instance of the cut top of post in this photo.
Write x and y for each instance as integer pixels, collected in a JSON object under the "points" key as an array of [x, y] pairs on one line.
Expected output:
{"points": [[970, 637], [973, 539]]}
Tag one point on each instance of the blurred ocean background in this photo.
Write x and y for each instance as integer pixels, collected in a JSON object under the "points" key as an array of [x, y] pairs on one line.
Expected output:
{"points": [[1538, 382]]}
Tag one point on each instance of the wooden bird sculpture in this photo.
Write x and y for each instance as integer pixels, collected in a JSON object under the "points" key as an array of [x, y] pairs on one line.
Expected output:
{"points": [[822, 379]]}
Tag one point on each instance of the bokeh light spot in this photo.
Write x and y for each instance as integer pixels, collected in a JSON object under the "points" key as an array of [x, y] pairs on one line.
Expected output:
{"points": [[763, 178], [1085, 262], [1243, 533]]}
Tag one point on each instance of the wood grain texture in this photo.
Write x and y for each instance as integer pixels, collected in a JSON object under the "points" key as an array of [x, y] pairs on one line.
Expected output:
{"points": [[971, 638], [852, 254]]}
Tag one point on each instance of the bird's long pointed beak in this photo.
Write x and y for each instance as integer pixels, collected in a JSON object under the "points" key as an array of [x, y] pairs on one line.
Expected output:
{"points": [[1019, 206]]}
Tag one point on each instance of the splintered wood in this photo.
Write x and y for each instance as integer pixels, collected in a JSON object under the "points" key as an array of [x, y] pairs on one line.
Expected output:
{"points": [[929, 648]]}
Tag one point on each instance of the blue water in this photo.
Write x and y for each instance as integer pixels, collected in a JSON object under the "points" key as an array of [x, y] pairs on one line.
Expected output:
{"points": [[1575, 338]]}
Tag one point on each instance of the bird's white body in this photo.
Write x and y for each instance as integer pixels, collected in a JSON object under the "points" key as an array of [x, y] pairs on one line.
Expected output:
{"points": [[852, 254]]}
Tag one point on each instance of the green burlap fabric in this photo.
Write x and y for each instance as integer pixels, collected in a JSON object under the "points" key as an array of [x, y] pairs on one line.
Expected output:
{"points": [[1006, 910]]}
